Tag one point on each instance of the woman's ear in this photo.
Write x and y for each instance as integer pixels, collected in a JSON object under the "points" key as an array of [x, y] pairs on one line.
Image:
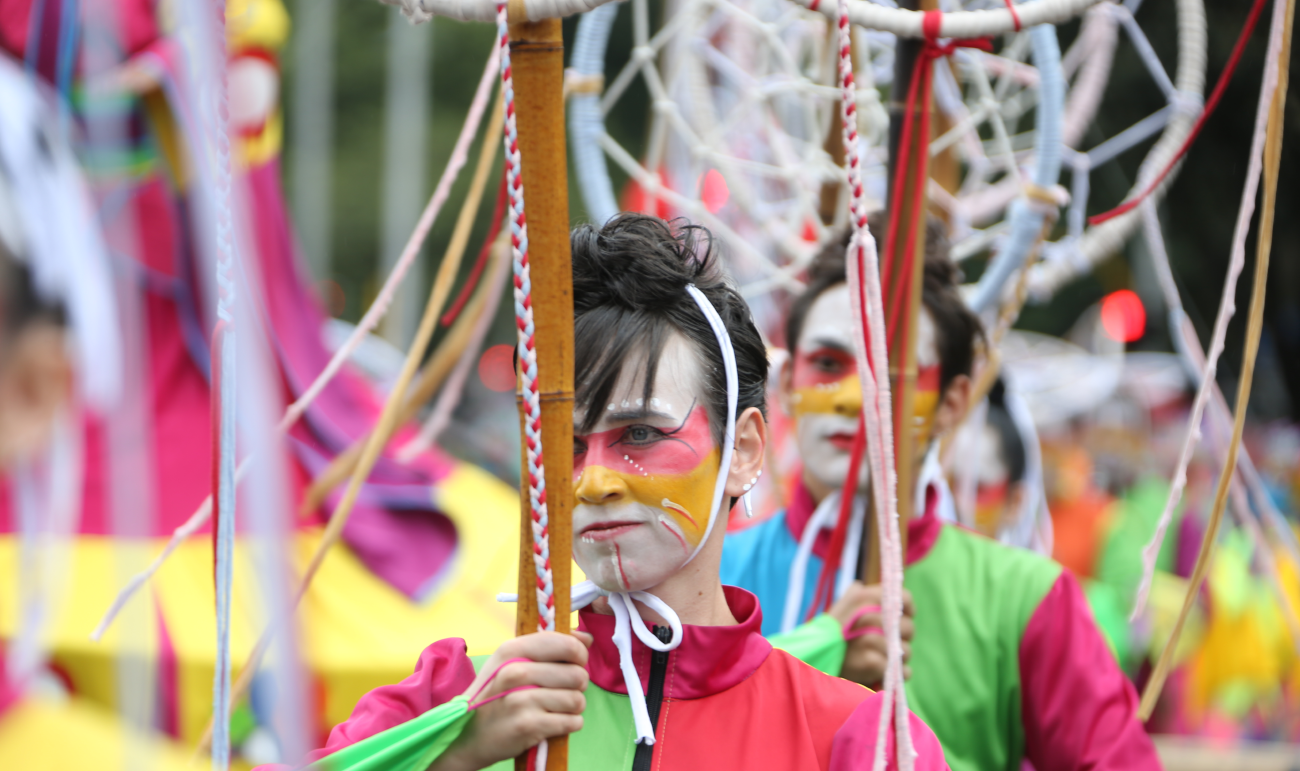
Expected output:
{"points": [[953, 405], [747, 459], [785, 383]]}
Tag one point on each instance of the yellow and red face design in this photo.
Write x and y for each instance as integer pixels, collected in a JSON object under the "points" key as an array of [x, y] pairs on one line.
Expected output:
{"points": [[991, 506], [826, 394], [644, 482]]}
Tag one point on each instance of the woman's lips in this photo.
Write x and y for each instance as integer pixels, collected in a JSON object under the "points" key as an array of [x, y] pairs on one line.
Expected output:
{"points": [[841, 441], [605, 531]]}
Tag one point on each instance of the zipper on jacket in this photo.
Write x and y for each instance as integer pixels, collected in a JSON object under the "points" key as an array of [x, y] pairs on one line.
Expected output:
{"points": [[654, 697]]}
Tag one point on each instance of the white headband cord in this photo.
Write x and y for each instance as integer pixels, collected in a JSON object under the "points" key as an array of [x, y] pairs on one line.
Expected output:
{"points": [[627, 619], [733, 391]]}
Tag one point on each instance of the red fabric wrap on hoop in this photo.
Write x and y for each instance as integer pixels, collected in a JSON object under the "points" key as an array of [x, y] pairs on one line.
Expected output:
{"points": [[1015, 17]]}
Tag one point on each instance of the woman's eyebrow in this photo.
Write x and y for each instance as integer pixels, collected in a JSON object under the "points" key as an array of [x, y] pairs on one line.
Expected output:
{"points": [[831, 343], [632, 416]]}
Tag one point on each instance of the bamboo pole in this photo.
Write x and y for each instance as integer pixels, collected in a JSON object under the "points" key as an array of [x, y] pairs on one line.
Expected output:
{"points": [[537, 61], [902, 353], [1264, 245]]}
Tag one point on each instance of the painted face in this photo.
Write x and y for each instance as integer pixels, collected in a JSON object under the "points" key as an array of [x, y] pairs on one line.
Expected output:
{"points": [[644, 478], [828, 395], [992, 488], [925, 400]]}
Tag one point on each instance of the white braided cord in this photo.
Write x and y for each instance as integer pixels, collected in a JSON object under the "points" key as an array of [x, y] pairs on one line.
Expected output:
{"points": [[865, 294], [527, 345], [224, 552]]}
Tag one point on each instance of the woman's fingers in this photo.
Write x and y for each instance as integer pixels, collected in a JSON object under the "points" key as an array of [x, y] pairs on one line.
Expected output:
{"points": [[542, 674], [544, 646], [558, 700]]}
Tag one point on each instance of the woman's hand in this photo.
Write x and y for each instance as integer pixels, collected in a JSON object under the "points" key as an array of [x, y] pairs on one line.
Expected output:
{"points": [[864, 659], [548, 702]]}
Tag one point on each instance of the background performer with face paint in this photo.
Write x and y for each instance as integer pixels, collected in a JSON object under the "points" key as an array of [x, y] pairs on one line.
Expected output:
{"points": [[58, 349], [1006, 663], [669, 670]]}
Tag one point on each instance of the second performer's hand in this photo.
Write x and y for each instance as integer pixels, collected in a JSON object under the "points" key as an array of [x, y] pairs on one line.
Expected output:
{"points": [[549, 702], [865, 656]]}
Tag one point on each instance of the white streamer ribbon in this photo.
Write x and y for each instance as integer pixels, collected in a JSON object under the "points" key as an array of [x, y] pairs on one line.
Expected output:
{"points": [[823, 519], [628, 621]]}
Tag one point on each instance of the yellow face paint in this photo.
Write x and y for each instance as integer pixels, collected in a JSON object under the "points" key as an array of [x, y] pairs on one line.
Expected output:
{"points": [[644, 500], [839, 397], [925, 405]]}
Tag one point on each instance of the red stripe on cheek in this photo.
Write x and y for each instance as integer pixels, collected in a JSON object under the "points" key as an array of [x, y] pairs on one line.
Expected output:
{"points": [[675, 534], [618, 557]]}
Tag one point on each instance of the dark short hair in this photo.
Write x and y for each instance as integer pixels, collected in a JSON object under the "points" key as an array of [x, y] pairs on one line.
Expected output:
{"points": [[956, 326], [629, 295], [1011, 443], [20, 303]]}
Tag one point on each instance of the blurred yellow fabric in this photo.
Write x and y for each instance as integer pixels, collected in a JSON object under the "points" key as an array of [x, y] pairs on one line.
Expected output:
{"points": [[355, 631], [38, 735]]}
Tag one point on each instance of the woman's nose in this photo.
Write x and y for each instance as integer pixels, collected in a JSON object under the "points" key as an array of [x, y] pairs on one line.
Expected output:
{"points": [[848, 397], [598, 485]]}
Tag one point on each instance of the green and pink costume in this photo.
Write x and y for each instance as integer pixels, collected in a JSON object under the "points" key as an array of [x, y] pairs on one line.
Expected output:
{"points": [[1007, 663], [724, 698]]}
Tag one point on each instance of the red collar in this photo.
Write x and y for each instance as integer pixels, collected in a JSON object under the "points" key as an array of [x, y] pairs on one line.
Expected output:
{"points": [[922, 531], [710, 659]]}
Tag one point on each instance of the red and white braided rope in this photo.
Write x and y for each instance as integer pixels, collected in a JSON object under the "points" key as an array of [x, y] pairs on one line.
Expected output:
{"points": [[873, 364], [527, 342]]}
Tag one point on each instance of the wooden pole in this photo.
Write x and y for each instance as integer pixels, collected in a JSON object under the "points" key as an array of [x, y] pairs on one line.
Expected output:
{"points": [[830, 200], [902, 354], [537, 61]]}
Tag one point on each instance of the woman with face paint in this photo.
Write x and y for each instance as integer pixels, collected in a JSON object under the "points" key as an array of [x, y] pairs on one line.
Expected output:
{"points": [[1005, 662], [669, 669]]}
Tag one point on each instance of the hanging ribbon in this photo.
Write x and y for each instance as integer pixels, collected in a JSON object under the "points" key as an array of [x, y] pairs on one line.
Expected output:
{"points": [[919, 96]]}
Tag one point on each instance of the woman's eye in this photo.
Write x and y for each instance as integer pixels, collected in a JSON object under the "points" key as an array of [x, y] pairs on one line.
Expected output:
{"points": [[640, 434], [579, 447], [827, 364]]}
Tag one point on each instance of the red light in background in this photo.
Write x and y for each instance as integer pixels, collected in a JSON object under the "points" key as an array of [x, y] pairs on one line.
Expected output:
{"points": [[713, 191], [635, 198], [496, 368], [809, 233], [1122, 316]]}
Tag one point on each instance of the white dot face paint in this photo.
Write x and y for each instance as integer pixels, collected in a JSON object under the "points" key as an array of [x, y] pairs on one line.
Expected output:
{"points": [[644, 477]]}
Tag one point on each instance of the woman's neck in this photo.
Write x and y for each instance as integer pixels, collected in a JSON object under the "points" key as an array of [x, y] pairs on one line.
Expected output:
{"points": [[694, 593]]}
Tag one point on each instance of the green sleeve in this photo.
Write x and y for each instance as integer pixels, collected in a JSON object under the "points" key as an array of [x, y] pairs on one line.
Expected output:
{"points": [[411, 746], [818, 643]]}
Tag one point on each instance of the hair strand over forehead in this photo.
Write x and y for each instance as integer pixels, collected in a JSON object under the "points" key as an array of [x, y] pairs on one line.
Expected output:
{"points": [[629, 296]]}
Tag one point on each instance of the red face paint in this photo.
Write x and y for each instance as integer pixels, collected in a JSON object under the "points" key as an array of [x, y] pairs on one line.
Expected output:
{"points": [[990, 503], [643, 495], [645, 450]]}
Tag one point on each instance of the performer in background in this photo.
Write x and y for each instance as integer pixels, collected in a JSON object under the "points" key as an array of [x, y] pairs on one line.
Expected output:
{"points": [[58, 350], [420, 550], [1006, 664]]}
